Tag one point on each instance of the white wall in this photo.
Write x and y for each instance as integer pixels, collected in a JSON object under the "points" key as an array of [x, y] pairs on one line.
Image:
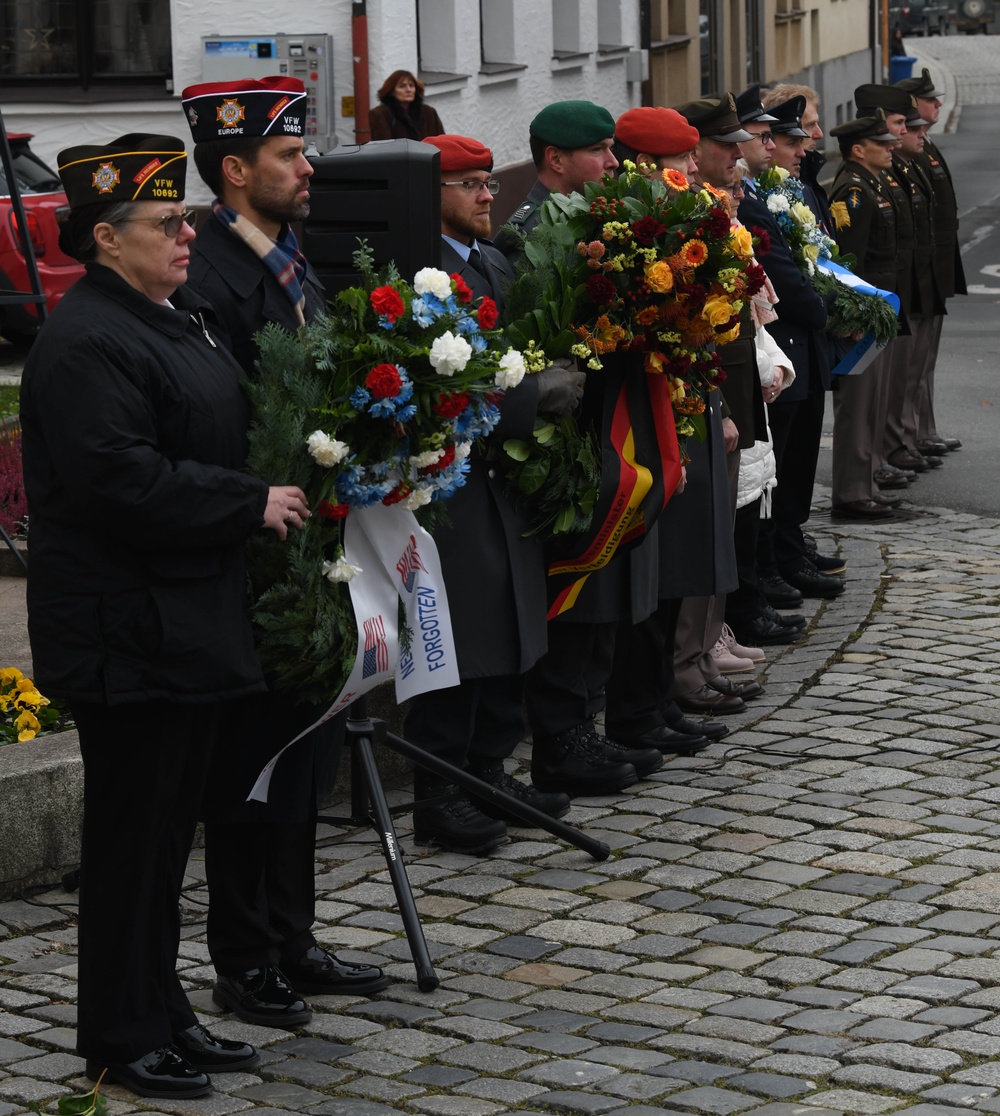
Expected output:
{"points": [[495, 108]]}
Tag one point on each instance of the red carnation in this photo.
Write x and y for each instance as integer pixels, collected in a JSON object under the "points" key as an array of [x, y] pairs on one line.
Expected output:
{"points": [[443, 461], [387, 302], [600, 289], [755, 278], [646, 230], [383, 381], [400, 492], [719, 222], [451, 406], [461, 288], [332, 511], [763, 238], [487, 313]]}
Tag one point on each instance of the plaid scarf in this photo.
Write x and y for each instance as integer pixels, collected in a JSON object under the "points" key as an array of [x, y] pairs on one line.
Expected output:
{"points": [[282, 258]]}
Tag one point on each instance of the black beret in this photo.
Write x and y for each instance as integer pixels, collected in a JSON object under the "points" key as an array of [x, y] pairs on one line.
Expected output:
{"points": [[134, 167]]}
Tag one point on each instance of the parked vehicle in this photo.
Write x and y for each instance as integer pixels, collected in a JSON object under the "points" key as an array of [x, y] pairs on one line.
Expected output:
{"points": [[972, 16], [922, 17], [43, 197]]}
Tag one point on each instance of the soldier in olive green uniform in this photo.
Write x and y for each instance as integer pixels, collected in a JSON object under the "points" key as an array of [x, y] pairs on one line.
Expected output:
{"points": [[919, 297], [948, 261], [866, 227]]}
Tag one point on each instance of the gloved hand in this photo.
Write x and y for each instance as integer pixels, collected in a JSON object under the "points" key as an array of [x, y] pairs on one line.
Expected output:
{"points": [[560, 386]]}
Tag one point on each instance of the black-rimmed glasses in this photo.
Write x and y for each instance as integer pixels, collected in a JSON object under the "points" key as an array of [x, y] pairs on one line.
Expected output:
{"points": [[474, 185], [171, 223]]}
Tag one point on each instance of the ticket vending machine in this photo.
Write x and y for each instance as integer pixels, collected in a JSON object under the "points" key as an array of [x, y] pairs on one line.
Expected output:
{"points": [[307, 57]]}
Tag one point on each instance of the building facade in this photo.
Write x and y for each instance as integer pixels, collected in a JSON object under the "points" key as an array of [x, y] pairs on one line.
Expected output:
{"points": [[79, 71]]}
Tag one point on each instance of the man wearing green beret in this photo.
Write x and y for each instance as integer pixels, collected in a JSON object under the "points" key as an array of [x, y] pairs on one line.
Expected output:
{"points": [[570, 145]]}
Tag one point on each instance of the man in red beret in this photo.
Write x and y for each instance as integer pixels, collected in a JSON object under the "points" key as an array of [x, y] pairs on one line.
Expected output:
{"points": [[495, 577], [260, 857]]}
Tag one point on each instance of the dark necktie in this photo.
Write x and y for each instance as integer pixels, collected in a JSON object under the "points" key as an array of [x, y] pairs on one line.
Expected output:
{"points": [[476, 261]]}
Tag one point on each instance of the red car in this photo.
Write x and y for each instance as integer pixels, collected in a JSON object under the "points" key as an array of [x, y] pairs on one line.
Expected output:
{"points": [[42, 196]]}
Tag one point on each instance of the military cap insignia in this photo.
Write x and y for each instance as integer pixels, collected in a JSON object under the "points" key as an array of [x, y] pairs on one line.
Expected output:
{"points": [[855, 196], [230, 113], [192, 115], [106, 178]]}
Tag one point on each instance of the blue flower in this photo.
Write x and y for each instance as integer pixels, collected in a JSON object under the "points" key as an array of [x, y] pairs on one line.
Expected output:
{"points": [[423, 315], [359, 398]]}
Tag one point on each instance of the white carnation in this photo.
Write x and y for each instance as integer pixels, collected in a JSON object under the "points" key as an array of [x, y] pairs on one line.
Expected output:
{"points": [[416, 499], [777, 203], [340, 570], [429, 280], [462, 450], [511, 370], [428, 457], [449, 354], [326, 451]]}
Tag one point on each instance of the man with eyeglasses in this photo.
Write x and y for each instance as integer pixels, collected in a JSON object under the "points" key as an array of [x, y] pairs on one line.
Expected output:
{"points": [[495, 577], [260, 858]]}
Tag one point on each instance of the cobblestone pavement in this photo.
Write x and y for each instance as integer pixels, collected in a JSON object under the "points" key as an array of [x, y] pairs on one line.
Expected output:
{"points": [[803, 919], [968, 62]]}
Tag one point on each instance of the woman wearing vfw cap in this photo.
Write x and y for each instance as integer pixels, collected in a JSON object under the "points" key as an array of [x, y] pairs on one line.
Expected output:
{"points": [[134, 438]]}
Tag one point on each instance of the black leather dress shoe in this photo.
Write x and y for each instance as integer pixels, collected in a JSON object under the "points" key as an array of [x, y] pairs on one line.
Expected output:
{"points": [[455, 824], [319, 973], [888, 499], [951, 443], [644, 759], [731, 688], [932, 446], [777, 592], [575, 763], [902, 459], [789, 619], [707, 700], [714, 730], [163, 1073], [762, 630], [262, 996], [811, 583], [932, 461], [667, 741], [828, 564], [214, 1055], [555, 804]]}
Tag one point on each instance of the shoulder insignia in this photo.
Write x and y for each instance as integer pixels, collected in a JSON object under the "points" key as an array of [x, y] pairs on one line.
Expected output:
{"points": [[841, 218], [855, 196], [521, 213]]}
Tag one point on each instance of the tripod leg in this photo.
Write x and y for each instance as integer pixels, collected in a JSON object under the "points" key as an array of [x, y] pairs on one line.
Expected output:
{"points": [[599, 850], [427, 979]]}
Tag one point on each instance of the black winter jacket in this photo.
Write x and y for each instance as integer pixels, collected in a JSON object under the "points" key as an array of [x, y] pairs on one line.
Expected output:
{"points": [[134, 437]]}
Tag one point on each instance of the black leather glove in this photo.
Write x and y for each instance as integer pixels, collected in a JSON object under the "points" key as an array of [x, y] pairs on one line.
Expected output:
{"points": [[560, 386]]}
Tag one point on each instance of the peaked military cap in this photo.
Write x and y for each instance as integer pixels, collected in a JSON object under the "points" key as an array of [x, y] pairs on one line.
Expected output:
{"points": [[715, 118], [272, 106], [134, 167], [888, 98], [866, 127], [920, 86], [749, 108], [788, 117], [570, 124]]}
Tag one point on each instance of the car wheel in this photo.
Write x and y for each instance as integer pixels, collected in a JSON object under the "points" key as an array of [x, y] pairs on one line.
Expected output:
{"points": [[973, 9]]}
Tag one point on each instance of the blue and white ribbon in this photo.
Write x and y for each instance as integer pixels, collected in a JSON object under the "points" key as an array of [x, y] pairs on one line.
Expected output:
{"points": [[866, 350]]}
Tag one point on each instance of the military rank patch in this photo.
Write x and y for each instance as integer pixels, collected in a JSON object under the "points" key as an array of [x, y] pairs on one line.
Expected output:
{"points": [[841, 218], [855, 196]]}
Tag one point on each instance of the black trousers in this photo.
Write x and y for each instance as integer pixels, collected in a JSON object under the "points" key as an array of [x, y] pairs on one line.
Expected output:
{"points": [[565, 688], [144, 770], [640, 689], [476, 723], [796, 430], [746, 602]]}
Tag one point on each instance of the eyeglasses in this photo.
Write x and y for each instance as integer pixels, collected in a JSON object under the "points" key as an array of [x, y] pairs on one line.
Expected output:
{"points": [[171, 223], [474, 185], [764, 137]]}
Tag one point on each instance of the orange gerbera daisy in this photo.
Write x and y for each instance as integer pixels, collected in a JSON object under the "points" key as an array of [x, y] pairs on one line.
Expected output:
{"points": [[693, 253], [675, 179]]}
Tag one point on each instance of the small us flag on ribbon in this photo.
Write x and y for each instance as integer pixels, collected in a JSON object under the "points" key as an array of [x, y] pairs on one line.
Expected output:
{"points": [[376, 657]]}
